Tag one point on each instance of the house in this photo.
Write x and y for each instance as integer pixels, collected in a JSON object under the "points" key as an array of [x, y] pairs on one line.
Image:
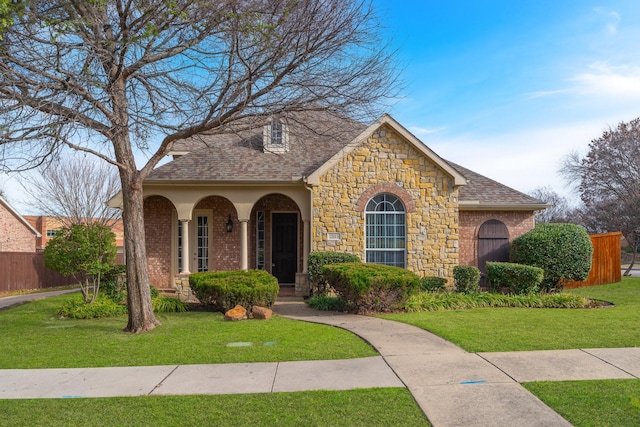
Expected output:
{"points": [[16, 233], [48, 226], [264, 196]]}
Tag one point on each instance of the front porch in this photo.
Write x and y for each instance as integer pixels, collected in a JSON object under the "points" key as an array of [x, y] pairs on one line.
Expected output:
{"points": [[228, 231]]}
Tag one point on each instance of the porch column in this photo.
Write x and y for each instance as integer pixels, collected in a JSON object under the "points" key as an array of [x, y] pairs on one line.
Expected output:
{"points": [[244, 244], [306, 244], [185, 246]]}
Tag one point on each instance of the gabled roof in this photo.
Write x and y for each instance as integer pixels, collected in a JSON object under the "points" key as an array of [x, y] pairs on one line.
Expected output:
{"points": [[239, 157], [386, 119], [319, 140], [482, 193], [19, 217]]}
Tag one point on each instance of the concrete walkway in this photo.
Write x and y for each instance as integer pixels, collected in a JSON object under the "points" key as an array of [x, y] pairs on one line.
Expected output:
{"points": [[453, 387]]}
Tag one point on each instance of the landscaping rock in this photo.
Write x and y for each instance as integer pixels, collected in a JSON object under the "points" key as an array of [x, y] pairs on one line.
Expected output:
{"points": [[261, 313], [236, 313]]}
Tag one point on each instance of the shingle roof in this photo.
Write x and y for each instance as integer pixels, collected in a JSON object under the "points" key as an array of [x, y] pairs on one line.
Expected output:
{"points": [[315, 137], [485, 192], [239, 156]]}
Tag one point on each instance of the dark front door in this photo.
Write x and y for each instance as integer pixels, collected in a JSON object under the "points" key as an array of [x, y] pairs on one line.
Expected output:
{"points": [[284, 246]]}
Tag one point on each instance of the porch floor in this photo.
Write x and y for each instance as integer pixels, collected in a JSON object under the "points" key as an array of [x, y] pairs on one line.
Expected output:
{"points": [[287, 291]]}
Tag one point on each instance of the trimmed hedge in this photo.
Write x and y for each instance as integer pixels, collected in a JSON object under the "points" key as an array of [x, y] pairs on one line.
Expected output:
{"points": [[370, 287], [520, 279], [317, 260], [466, 279], [223, 290], [432, 284], [563, 251]]}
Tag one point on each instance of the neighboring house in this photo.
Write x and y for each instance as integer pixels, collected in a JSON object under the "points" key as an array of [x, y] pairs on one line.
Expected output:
{"points": [[16, 233], [48, 226], [266, 196]]}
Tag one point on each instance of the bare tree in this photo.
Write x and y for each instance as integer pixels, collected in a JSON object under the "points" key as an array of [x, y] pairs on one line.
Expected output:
{"points": [[558, 210], [74, 190], [608, 181], [115, 75]]}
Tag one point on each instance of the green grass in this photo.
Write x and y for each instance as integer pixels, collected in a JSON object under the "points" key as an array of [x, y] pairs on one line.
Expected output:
{"points": [[592, 403], [33, 336], [370, 407], [516, 329]]}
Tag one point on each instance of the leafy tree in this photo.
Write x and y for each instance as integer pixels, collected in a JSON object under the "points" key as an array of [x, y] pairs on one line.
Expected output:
{"points": [[85, 251], [118, 77], [563, 251], [74, 190], [608, 181]]}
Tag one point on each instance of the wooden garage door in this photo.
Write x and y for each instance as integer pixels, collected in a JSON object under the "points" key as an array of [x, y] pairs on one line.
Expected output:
{"points": [[493, 244]]}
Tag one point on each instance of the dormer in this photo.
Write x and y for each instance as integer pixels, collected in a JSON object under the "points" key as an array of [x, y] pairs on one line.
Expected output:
{"points": [[275, 136]]}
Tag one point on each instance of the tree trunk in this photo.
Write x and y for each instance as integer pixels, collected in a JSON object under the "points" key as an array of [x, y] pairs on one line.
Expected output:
{"points": [[141, 317]]}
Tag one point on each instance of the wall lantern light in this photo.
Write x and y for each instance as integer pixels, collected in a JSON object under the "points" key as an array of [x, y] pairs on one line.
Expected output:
{"points": [[229, 225]]}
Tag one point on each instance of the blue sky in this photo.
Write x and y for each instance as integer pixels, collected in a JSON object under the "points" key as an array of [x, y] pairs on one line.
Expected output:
{"points": [[508, 88]]}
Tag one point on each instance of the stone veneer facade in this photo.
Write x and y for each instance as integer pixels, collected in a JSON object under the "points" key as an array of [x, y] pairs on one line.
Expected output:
{"points": [[389, 164], [517, 222]]}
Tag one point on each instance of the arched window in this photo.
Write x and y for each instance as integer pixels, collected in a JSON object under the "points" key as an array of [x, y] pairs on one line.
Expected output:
{"points": [[385, 231]]}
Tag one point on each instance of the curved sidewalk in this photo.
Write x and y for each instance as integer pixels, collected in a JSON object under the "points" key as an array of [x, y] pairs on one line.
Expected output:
{"points": [[456, 388]]}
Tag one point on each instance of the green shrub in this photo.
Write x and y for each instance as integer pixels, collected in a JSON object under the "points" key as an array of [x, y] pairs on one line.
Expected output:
{"points": [[319, 259], [432, 284], [520, 279], [165, 304], [223, 290], [563, 251], [370, 287], [102, 306], [457, 301], [466, 279], [326, 303], [114, 283]]}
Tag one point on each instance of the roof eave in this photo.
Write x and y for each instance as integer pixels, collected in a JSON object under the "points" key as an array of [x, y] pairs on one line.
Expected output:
{"points": [[478, 206]]}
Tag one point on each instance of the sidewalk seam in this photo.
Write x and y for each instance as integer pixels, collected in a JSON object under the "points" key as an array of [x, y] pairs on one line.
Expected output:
{"points": [[608, 363], [163, 380], [497, 367], [275, 375]]}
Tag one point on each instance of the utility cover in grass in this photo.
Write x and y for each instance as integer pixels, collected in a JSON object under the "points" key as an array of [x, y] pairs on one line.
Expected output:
{"points": [[240, 344]]}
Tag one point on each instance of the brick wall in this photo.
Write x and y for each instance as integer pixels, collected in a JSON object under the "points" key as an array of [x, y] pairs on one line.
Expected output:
{"points": [[391, 165], [14, 235], [158, 216], [517, 223], [224, 247]]}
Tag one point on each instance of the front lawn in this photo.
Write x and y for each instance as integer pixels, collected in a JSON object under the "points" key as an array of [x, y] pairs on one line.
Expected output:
{"points": [[592, 403], [515, 329], [370, 407], [33, 336]]}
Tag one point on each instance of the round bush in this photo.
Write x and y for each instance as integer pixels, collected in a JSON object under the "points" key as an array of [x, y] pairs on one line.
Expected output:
{"points": [[563, 251], [223, 290]]}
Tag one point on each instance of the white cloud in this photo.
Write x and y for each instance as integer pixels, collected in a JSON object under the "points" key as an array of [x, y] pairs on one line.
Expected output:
{"points": [[612, 18], [524, 159], [604, 79], [421, 132]]}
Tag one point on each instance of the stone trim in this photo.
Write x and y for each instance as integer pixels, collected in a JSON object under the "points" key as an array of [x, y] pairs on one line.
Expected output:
{"points": [[386, 187]]}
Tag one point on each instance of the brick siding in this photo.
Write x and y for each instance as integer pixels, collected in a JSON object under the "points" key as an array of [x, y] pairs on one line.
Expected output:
{"points": [[517, 223], [14, 235]]}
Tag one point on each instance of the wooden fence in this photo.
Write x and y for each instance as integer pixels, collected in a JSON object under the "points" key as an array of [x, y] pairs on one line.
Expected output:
{"points": [[26, 271], [606, 265]]}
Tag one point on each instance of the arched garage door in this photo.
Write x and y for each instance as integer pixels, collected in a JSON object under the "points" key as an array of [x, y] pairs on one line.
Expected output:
{"points": [[493, 244]]}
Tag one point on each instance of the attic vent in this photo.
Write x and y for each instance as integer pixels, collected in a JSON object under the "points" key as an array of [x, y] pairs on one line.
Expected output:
{"points": [[276, 137]]}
